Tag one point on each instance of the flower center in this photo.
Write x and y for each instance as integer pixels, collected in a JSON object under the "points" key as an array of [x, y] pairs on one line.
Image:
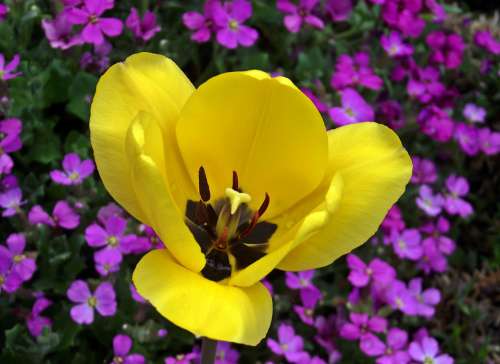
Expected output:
{"points": [[93, 19], [349, 112], [2, 280], [92, 301], [74, 176], [1, 74], [402, 244], [428, 360], [118, 360], [19, 258], [233, 24], [112, 241], [227, 226]]}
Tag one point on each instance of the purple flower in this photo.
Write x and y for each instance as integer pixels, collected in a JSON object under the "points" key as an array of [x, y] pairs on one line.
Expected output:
{"points": [[447, 49], [103, 300], [431, 204], [399, 297], [394, 46], [226, 354], [339, 10], [299, 14], [361, 324], [10, 201], [229, 19], [290, 345], [112, 236], [426, 351], [23, 266], [489, 141], [182, 358], [10, 131], [62, 215], [361, 274], [425, 299], [75, 170], [6, 164], [354, 109], [59, 32], [98, 59], [424, 171], [35, 321], [433, 258], [95, 27], [393, 221], [437, 10], [144, 28], [4, 10], [453, 203], [309, 300], [436, 237], [474, 113], [485, 39], [436, 123], [466, 136], [425, 84], [202, 25], [407, 244], [121, 348], [111, 209], [7, 70], [352, 71], [403, 15], [326, 328], [391, 353], [9, 280], [107, 261], [389, 112]]}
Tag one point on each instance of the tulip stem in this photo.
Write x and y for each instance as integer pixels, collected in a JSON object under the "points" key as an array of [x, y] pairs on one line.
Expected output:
{"points": [[208, 350]]}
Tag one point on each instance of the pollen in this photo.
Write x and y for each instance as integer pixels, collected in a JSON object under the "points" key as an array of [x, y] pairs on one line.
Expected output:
{"points": [[236, 199]]}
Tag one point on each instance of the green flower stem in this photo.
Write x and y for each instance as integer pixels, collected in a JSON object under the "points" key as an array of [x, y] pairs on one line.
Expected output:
{"points": [[208, 350]]}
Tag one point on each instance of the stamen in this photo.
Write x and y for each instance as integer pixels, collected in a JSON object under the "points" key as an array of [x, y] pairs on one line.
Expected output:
{"points": [[264, 206], [236, 186], [237, 198], [203, 185]]}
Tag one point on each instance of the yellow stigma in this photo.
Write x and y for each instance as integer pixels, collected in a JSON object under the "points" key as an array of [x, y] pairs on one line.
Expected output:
{"points": [[233, 24], [237, 198]]}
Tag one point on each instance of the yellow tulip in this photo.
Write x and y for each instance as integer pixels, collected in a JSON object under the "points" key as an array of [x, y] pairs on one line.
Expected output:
{"points": [[237, 177]]}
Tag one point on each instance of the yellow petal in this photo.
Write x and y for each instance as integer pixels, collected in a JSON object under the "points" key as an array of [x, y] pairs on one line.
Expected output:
{"points": [[144, 82], [263, 128], [375, 170], [201, 306], [145, 151]]}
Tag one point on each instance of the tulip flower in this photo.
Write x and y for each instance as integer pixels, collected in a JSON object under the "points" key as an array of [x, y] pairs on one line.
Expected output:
{"points": [[237, 177]]}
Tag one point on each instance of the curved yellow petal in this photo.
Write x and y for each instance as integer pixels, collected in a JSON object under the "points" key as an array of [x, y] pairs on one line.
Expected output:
{"points": [[204, 307], [145, 151], [375, 170], [263, 128], [144, 82], [310, 225]]}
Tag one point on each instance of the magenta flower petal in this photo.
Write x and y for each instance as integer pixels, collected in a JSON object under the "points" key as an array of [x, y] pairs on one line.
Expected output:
{"points": [[105, 299], [82, 313], [79, 291], [111, 27], [122, 345]]}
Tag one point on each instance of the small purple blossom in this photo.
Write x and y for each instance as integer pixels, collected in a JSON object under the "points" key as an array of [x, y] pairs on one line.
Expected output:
{"points": [[361, 324], [424, 171], [63, 216], [428, 202], [425, 84], [485, 39], [9, 280], [95, 26], [35, 321], [144, 28], [309, 300], [354, 109], [299, 14], [22, 265], [436, 123], [399, 297], [436, 231], [453, 203], [447, 49], [107, 261], [59, 32], [404, 15], [389, 112], [74, 170], [11, 201], [489, 141], [394, 45], [182, 358], [229, 19], [112, 236], [10, 132], [121, 349], [4, 10], [474, 113], [393, 221], [103, 300], [288, 345], [377, 270], [433, 259], [392, 352], [352, 71], [426, 352], [7, 70], [466, 136], [202, 25], [339, 10], [406, 244], [226, 354], [425, 299]]}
